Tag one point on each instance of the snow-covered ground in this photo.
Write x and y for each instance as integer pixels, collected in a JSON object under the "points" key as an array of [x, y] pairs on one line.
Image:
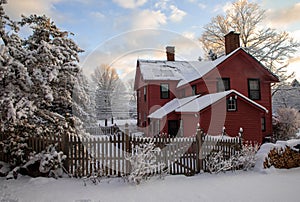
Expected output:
{"points": [[119, 122], [298, 133], [273, 185]]}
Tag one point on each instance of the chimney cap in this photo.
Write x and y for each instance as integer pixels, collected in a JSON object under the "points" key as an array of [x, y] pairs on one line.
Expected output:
{"points": [[170, 50], [232, 42], [232, 32]]}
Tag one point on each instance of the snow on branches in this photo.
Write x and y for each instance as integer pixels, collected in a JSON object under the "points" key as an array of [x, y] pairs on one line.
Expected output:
{"points": [[144, 162], [50, 162], [245, 159], [38, 73]]}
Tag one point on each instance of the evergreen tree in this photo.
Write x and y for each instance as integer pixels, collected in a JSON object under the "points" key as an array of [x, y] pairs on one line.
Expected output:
{"points": [[37, 78]]}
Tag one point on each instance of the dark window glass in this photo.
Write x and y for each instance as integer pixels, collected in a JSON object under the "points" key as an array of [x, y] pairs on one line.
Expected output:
{"points": [[145, 93], [194, 90], [263, 124], [254, 89], [223, 84], [164, 91]]}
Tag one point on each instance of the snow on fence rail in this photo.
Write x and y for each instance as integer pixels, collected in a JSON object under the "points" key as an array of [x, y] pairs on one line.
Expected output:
{"points": [[106, 155]]}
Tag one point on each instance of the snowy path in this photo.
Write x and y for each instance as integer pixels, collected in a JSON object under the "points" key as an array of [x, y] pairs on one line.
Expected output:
{"points": [[278, 185]]}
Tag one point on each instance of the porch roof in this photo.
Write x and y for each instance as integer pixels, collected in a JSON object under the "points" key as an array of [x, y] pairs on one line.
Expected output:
{"points": [[171, 106]]}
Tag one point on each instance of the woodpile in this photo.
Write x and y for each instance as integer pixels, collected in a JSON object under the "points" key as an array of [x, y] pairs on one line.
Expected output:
{"points": [[283, 158]]}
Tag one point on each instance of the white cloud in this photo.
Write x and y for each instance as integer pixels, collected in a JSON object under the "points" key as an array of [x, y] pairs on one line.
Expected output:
{"points": [[130, 3], [202, 6], [148, 19], [162, 4], [284, 16], [296, 34], [176, 14], [189, 35], [15, 8], [222, 7], [97, 15]]}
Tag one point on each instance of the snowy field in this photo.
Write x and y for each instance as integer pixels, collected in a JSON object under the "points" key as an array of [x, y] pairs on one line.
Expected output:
{"points": [[272, 185]]}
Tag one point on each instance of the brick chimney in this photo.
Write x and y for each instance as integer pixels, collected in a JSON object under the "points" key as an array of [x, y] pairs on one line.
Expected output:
{"points": [[170, 50], [232, 42]]}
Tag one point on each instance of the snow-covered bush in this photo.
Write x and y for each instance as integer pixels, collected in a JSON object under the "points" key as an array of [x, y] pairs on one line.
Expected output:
{"points": [[245, 159], [286, 123], [144, 162], [16, 148], [50, 161], [216, 162]]}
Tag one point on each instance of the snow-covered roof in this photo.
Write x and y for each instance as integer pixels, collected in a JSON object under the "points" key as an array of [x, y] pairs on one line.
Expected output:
{"points": [[171, 106], [204, 101], [196, 103], [182, 71]]}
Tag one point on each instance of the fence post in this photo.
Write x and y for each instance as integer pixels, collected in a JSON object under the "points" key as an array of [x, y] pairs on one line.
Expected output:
{"points": [[65, 149], [199, 143], [127, 147]]}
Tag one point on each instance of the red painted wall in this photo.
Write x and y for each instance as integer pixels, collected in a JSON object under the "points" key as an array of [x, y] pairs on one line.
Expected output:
{"points": [[239, 68], [247, 117], [213, 118]]}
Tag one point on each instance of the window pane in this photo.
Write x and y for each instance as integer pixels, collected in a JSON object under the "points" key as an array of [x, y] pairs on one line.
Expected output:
{"points": [[223, 84], [145, 93], [263, 124], [255, 95], [231, 104], [194, 90], [253, 84], [164, 91], [254, 89]]}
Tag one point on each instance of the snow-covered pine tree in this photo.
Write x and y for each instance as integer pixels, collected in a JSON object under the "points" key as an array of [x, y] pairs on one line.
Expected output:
{"points": [[37, 76]]}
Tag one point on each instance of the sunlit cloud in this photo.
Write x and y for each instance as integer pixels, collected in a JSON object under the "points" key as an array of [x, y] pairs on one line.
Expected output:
{"points": [[284, 16], [148, 19], [16, 8], [176, 14], [130, 3], [122, 51]]}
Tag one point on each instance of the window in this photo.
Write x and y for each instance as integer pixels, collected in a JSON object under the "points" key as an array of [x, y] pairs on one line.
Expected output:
{"points": [[231, 104], [145, 120], [138, 93], [254, 89], [194, 90], [145, 93], [164, 91], [223, 84], [263, 124]]}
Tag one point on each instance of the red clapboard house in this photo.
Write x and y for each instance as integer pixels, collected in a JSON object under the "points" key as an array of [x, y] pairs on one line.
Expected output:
{"points": [[233, 91]]}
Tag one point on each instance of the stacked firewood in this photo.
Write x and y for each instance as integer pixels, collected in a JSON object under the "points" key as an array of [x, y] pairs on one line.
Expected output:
{"points": [[283, 158]]}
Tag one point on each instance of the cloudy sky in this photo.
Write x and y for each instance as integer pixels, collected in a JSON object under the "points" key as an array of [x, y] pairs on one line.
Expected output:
{"points": [[118, 32]]}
